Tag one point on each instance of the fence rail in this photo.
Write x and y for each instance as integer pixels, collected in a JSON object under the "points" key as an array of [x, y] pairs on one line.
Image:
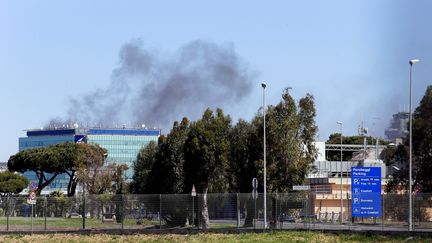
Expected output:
{"points": [[300, 210]]}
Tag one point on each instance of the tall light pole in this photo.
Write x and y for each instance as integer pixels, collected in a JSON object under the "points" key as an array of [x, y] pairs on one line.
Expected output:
{"points": [[264, 85], [341, 176], [410, 224]]}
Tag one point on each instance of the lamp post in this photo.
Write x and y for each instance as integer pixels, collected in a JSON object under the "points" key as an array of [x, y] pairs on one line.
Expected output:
{"points": [[264, 85], [341, 176], [410, 223]]}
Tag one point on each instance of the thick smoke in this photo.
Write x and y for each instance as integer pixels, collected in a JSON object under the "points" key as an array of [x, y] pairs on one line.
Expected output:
{"points": [[156, 89]]}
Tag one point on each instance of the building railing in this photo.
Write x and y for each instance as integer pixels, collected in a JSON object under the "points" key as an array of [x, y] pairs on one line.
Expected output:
{"points": [[352, 147]]}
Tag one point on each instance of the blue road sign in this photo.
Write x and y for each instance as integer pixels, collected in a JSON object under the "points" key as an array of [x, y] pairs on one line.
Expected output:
{"points": [[366, 191]]}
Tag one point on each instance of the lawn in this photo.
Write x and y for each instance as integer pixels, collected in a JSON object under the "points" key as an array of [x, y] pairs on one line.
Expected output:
{"points": [[76, 223], [281, 236], [68, 223]]}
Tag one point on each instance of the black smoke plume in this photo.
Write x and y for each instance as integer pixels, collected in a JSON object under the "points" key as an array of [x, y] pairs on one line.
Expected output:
{"points": [[155, 89]]}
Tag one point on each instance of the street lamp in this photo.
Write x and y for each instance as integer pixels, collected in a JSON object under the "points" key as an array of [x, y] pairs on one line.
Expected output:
{"points": [[264, 85], [411, 62], [341, 176]]}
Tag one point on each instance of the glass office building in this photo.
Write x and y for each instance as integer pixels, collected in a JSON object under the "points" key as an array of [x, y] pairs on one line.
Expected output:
{"points": [[122, 145], [44, 138]]}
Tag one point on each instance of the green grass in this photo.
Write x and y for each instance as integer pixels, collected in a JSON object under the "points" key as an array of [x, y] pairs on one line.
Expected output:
{"points": [[69, 222], [76, 223], [286, 236]]}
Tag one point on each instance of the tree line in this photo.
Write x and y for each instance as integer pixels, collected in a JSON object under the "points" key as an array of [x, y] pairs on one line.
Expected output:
{"points": [[216, 156]]}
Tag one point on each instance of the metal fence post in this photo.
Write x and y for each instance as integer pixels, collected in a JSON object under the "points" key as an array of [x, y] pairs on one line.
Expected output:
{"points": [[198, 211], [122, 212], [45, 212], [274, 213], [238, 210], [84, 213], [255, 214], [413, 214], [280, 215], [382, 210], [193, 212], [31, 218], [160, 211], [8, 212], [347, 207]]}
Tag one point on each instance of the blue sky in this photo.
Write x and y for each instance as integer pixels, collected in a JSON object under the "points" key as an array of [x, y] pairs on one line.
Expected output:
{"points": [[351, 55]]}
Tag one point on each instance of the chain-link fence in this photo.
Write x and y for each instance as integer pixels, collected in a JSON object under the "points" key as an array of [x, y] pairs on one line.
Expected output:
{"points": [[300, 210]]}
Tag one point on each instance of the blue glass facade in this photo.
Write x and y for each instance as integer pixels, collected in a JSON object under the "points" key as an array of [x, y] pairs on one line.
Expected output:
{"points": [[43, 141], [122, 145]]}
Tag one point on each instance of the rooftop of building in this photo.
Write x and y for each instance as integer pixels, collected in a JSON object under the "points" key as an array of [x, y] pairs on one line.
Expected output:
{"points": [[61, 131]]}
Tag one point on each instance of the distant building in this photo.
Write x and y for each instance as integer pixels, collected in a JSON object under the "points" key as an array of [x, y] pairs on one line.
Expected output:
{"points": [[43, 138], [325, 181], [122, 145], [398, 127], [3, 166]]}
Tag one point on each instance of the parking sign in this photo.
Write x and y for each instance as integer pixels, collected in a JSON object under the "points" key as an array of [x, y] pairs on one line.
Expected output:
{"points": [[366, 191]]}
